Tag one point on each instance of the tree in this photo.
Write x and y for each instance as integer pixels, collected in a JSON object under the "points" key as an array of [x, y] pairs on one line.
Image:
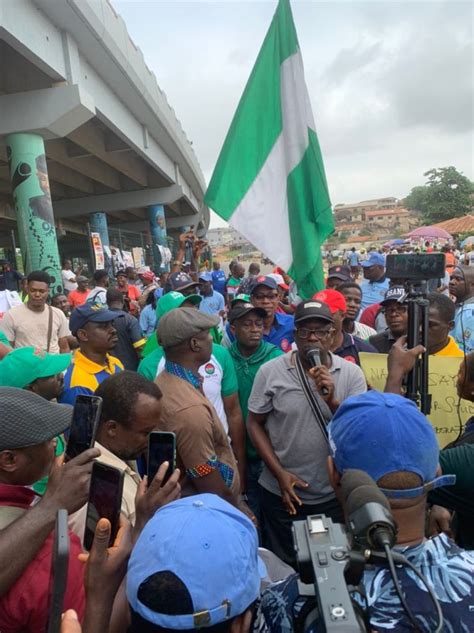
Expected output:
{"points": [[447, 194]]}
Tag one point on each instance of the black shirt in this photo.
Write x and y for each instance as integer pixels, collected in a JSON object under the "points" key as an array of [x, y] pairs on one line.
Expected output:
{"points": [[382, 342], [351, 346], [129, 333]]}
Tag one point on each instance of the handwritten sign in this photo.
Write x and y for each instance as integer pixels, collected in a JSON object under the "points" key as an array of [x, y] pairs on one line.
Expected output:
{"points": [[443, 371]]}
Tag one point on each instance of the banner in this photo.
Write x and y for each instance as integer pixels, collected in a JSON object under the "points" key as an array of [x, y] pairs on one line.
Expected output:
{"points": [[98, 251], [138, 257], [443, 371], [128, 259]]}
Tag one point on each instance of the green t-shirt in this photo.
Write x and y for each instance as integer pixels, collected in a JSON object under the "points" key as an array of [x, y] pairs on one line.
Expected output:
{"points": [[219, 375], [246, 368], [458, 461], [4, 340]]}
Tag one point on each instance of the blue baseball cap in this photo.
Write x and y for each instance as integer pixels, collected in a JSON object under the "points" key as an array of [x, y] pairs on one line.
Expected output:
{"points": [[382, 433], [90, 313], [212, 547], [205, 276], [374, 259]]}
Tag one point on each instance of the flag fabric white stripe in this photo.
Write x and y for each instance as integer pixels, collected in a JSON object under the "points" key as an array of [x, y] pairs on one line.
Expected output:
{"points": [[267, 197]]}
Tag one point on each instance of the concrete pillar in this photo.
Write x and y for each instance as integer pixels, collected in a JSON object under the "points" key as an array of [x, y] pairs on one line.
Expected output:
{"points": [[156, 216], [98, 224], [34, 209]]}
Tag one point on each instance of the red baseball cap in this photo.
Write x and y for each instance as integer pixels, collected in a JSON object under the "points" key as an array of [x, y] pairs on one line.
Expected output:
{"points": [[333, 298]]}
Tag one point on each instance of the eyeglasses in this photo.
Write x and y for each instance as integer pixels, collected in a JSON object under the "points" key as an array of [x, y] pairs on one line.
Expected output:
{"points": [[262, 297], [399, 308], [305, 333]]}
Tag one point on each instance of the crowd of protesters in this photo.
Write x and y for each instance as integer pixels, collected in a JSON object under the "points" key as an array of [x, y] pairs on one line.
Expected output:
{"points": [[263, 438]]}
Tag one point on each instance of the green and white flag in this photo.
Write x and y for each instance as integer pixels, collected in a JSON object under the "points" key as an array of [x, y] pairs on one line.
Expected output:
{"points": [[269, 181]]}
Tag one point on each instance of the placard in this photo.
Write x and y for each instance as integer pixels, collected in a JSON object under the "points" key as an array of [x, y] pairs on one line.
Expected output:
{"points": [[443, 371]]}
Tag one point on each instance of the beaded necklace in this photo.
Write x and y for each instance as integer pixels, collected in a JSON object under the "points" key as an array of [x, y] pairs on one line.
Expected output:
{"points": [[183, 373]]}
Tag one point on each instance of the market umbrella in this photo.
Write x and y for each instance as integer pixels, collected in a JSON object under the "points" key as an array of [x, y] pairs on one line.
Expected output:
{"points": [[468, 241], [430, 232]]}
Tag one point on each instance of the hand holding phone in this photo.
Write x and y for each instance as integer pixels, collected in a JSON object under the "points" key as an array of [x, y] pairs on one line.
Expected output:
{"points": [[59, 568], [161, 448], [155, 495], [105, 501], [85, 418]]}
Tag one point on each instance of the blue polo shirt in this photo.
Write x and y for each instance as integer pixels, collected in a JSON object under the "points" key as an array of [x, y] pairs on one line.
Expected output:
{"points": [[463, 330], [213, 304], [219, 281], [373, 292], [281, 334]]}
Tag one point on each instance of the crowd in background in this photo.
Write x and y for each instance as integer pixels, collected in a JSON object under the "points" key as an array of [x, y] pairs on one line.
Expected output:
{"points": [[262, 439]]}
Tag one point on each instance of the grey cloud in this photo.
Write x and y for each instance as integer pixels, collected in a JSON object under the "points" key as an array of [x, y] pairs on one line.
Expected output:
{"points": [[349, 60], [432, 86]]}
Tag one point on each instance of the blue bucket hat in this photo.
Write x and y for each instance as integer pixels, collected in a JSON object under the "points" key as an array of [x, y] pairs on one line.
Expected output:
{"points": [[383, 433], [211, 546]]}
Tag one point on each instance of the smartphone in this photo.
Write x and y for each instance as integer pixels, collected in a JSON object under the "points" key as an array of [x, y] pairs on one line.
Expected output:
{"points": [[59, 567], [85, 418], [105, 500], [161, 448]]}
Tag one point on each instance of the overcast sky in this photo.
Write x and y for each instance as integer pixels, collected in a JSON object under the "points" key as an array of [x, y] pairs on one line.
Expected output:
{"points": [[391, 83]]}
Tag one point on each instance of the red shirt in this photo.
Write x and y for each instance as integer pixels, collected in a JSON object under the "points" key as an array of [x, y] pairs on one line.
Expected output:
{"points": [[369, 315], [77, 298], [133, 294], [25, 606]]}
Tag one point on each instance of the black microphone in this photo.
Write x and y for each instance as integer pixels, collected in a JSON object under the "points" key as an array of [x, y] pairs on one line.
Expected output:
{"points": [[314, 359], [369, 519]]}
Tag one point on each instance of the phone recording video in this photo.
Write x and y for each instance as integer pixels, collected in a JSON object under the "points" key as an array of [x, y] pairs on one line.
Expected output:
{"points": [[85, 418], [105, 501], [59, 569], [161, 448]]}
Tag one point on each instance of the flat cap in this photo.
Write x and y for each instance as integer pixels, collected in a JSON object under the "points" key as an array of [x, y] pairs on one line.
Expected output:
{"points": [[181, 324], [29, 420]]}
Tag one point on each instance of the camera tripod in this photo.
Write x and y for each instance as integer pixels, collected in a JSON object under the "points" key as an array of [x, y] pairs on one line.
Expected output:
{"points": [[417, 334]]}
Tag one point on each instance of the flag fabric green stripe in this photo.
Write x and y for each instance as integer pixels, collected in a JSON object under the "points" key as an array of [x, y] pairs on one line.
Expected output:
{"points": [[257, 122], [310, 217]]}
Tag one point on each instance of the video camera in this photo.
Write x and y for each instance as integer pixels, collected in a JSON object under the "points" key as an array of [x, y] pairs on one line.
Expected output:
{"points": [[413, 271], [331, 559]]}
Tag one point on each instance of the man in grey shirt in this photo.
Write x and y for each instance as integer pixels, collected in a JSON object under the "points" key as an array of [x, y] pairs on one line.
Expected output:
{"points": [[286, 432]]}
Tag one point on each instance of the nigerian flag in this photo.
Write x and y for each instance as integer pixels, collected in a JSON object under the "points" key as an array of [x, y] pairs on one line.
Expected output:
{"points": [[269, 180]]}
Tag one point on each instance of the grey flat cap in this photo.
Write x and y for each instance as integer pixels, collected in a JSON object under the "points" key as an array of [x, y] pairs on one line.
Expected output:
{"points": [[181, 324], [28, 420]]}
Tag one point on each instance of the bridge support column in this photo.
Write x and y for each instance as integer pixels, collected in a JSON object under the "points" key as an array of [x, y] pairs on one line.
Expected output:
{"points": [[156, 216], [34, 209]]}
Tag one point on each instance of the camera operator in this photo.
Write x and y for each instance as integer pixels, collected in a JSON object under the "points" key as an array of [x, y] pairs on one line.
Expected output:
{"points": [[387, 437]]}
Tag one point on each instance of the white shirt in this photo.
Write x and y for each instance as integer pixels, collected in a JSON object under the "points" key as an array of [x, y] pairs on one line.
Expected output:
{"points": [[69, 285]]}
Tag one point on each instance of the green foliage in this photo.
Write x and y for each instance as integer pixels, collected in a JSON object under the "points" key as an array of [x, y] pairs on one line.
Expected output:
{"points": [[447, 194]]}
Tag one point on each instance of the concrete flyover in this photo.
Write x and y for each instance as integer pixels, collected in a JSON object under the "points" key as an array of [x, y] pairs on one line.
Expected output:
{"points": [[75, 86]]}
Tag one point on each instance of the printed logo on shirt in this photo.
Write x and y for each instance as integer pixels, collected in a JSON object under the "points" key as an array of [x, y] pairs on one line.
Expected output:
{"points": [[209, 369], [285, 344]]}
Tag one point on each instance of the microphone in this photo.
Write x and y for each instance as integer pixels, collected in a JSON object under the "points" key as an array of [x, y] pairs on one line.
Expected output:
{"points": [[369, 519], [314, 359]]}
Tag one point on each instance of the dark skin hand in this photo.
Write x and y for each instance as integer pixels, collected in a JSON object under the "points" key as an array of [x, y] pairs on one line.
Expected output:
{"points": [[105, 569], [286, 480], [68, 487], [322, 378], [400, 362]]}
